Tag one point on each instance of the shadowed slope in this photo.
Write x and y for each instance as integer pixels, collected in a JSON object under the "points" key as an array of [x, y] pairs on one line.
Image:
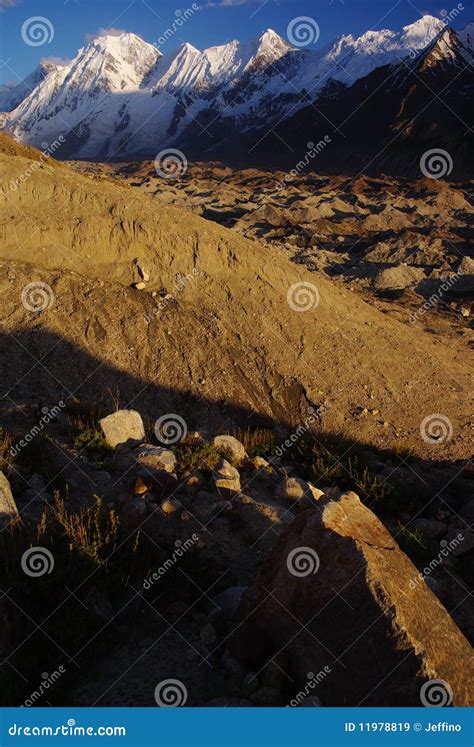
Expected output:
{"points": [[229, 331]]}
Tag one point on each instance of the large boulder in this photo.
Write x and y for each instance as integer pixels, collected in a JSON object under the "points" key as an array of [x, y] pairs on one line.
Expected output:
{"points": [[230, 448], [337, 592], [123, 427], [226, 478], [155, 457], [8, 509], [401, 276]]}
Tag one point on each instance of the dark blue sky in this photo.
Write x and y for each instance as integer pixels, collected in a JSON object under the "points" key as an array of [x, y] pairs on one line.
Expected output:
{"points": [[216, 22]]}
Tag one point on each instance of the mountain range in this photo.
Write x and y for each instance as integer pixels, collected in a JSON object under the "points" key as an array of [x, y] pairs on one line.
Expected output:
{"points": [[119, 97]]}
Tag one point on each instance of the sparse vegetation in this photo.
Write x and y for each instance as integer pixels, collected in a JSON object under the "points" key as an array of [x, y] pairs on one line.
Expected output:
{"points": [[197, 455], [330, 459], [420, 549], [406, 452], [102, 554], [138, 549], [84, 548], [376, 492], [83, 415], [115, 398], [256, 441], [92, 531], [94, 442]]}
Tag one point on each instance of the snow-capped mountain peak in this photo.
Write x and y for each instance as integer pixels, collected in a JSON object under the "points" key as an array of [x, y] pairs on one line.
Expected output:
{"points": [[13, 95], [120, 60], [188, 68], [423, 30], [269, 36], [124, 46], [447, 49], [119, 94], [264, 51], [176, 70], [272, 44], [228, 62], [352, 58]]}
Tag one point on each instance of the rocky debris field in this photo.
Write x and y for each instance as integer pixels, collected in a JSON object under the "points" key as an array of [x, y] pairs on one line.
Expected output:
{"points": [[221, 563], [225, 461], [395, 239], [182, 313]]}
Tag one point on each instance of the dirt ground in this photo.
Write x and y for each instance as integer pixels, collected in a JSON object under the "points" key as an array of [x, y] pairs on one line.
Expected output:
{"points": [[224, 325]]}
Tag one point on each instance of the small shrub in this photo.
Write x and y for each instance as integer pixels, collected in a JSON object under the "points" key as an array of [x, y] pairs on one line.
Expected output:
{"points": [[326, 469], [414, 543], [115, 398], [256, 441], [91, 551], [405, 452], [83, 416], [329, 460], [200, 456], [94, 442], [376, 492], [92, 531]]}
